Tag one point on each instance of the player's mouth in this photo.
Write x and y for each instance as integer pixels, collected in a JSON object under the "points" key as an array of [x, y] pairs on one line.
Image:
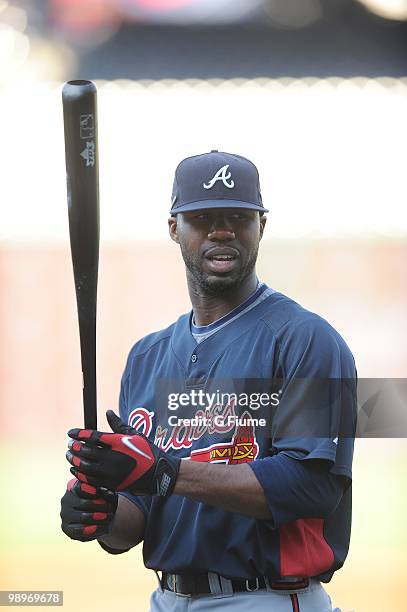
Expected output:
{"points": [[221, 260]]}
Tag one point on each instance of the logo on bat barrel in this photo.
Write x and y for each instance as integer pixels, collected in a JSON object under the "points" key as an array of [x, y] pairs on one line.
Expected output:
{"points": [[88, 153], [86, 126]]}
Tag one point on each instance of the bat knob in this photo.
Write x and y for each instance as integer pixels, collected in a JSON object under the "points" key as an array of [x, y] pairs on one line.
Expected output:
{"points": [[75, 89]]}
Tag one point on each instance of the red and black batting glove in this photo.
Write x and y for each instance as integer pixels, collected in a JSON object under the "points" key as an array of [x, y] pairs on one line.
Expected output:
{"points": [[87, 512], [121, 461]]}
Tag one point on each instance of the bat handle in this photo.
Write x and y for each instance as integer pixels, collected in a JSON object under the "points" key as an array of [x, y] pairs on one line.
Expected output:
{"points": [[87, 327]]}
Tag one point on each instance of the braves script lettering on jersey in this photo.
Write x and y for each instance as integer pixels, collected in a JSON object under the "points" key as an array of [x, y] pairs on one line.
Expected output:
{"points": [[276, 339]]}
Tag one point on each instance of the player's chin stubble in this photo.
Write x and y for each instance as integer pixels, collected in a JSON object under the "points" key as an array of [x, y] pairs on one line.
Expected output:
{"points": [[213, 285]]}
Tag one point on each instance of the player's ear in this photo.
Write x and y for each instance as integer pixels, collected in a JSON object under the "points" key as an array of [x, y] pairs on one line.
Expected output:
{"points": [[172, 228], [263, 220]]}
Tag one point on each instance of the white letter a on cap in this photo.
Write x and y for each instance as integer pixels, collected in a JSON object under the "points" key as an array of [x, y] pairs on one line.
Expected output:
{"points": [[221, 175]]}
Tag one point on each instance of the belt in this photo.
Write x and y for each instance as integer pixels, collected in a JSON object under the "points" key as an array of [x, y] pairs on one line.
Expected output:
{"points": [[198, 584]]}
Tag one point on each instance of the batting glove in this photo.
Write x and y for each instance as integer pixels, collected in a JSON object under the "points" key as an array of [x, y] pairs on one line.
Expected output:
{"points": [[87, 512], [121, 461]]}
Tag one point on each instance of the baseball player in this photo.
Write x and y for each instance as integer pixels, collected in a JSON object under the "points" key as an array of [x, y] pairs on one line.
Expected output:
{"points": [[233, 515]]}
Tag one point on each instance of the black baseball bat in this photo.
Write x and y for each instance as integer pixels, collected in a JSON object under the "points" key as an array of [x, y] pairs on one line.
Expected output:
{"points": [[82, 175]]}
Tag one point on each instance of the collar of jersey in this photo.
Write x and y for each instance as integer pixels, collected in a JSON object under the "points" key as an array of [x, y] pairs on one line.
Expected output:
{"points": [[184, 344], [204, 329]]}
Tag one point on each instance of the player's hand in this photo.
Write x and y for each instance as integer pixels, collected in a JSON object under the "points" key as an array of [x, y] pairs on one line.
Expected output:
{"points": [[87, 512], [125, 461]]}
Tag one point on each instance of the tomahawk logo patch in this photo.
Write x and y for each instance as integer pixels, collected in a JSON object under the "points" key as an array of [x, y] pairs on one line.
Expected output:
{"points": [[221, 175]]}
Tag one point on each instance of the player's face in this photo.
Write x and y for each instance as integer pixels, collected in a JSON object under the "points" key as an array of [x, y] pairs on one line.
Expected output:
{"points": [[219, 246]]}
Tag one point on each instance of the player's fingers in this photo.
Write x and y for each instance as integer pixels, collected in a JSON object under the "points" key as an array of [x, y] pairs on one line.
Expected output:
{"points": [[72, 485], [85, 466], [78, 475], [86, 489], [90, 518], [74, 445], [90, 480], [88, 511], [91, 436], [117, 425], [96, 504], [84, 533], [82, 449], [109, 496], [98, 495], [81, 489]]}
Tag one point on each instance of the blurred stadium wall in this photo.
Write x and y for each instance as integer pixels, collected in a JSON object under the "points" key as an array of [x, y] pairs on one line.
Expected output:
{"points": [[319, 105]]}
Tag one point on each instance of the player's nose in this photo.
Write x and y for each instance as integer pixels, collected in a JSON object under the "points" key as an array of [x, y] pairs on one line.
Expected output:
{"points": [[221, 229], [221, 235]]}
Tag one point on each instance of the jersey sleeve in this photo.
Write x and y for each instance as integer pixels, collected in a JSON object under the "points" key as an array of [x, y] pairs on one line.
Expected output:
{"points": [[316, 415], [297, 489]]}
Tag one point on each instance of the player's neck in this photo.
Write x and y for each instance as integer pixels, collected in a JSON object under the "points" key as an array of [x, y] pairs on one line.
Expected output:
{"points": [[209, 308]]}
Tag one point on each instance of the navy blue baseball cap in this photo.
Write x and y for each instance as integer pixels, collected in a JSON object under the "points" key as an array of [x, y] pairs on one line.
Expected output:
{"points": [[216, 180]]}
